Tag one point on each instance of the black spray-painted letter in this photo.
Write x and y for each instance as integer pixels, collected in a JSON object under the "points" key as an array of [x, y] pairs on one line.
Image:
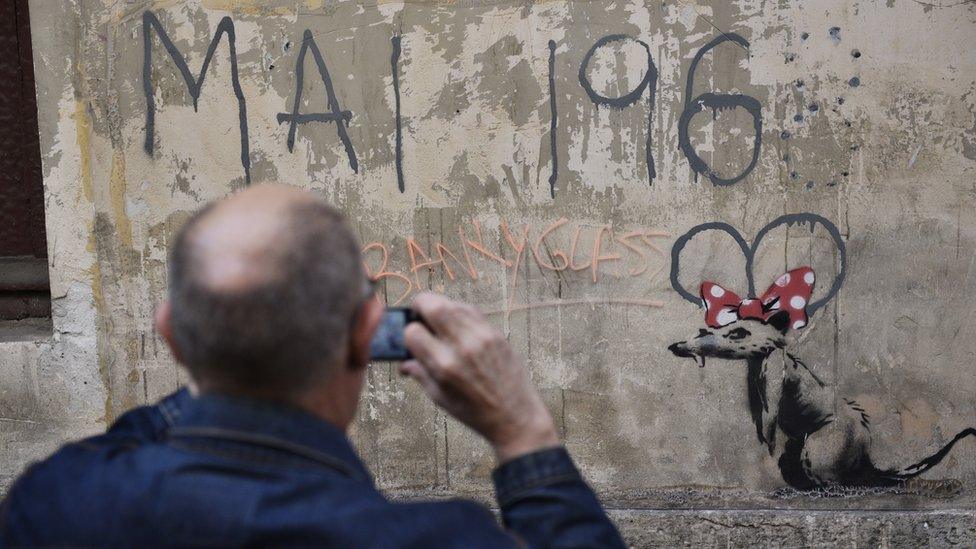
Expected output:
{"points": [[335, 114], [553, 119], [716, 102], [398, 146], [194, 85], [649, 81]]}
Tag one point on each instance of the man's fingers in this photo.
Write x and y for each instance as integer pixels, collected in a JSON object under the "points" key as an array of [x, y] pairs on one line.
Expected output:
{"points": [[414, 369], [433, 355], [446, 317], [435, 309]]}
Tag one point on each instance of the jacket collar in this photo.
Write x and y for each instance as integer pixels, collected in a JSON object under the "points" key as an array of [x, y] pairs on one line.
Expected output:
{"points": [[265, 423]]}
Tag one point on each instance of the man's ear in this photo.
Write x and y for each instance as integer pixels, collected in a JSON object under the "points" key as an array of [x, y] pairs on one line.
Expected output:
{"points": [[780, 321], [367, 319], [164, 327]]}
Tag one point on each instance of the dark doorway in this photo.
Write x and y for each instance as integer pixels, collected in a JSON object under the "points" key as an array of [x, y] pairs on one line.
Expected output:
{"points": [[24, 287]]}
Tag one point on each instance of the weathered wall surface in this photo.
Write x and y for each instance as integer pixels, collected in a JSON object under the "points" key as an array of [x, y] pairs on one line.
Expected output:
{"points": [[577, 169]]}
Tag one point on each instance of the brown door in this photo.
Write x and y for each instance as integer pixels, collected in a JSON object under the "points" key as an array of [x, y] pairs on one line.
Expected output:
{"points": [[24, 290]]}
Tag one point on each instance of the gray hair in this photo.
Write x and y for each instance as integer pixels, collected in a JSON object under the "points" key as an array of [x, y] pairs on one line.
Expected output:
{"points": [[283, 333]]}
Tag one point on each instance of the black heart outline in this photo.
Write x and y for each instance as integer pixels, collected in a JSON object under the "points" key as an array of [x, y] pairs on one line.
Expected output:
{"points": [[680, 243], [749, 252]]}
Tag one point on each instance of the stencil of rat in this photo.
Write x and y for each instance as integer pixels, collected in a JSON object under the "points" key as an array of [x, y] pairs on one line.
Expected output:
{"points": [[824, 445]]}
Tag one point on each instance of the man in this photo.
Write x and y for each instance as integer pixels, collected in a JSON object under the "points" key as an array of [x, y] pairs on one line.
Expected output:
{"points": [[270, 311]]}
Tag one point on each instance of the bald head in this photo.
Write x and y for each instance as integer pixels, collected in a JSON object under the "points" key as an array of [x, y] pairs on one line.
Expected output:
{"points": [[263, 289], [241, 241]]}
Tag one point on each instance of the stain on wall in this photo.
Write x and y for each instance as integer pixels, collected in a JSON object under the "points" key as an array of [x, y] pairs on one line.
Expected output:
{"points": [[540, 160]]}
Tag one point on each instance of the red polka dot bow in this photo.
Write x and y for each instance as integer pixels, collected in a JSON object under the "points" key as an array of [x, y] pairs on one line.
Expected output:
{"points": [[790, 293]]}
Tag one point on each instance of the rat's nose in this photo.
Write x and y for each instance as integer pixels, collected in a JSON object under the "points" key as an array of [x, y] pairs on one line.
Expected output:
{"points": [[680, 349]]}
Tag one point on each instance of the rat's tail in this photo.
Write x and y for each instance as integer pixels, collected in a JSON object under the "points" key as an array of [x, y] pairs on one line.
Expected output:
{"points": [[918, 468]]}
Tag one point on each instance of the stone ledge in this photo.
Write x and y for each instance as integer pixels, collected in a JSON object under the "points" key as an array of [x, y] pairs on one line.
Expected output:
{"points": [[754, 528]]}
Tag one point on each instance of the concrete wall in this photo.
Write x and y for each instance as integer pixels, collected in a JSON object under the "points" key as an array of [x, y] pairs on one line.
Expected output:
{"points": [[554, 163]]}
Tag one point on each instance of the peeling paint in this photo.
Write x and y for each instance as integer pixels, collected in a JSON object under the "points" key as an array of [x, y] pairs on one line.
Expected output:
{"points": [[83, 133], [478, 148], [116, 191]]}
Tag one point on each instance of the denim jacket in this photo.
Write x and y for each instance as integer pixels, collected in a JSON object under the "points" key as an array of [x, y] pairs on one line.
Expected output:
{"points": [[216, 470]]}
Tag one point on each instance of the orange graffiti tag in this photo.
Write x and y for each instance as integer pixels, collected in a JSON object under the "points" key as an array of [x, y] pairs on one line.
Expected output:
{"points": [[633, 251], [382, 273]]}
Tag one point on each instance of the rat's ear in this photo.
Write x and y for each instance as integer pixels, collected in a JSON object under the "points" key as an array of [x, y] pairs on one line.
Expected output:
{"points": [[780, 321]]}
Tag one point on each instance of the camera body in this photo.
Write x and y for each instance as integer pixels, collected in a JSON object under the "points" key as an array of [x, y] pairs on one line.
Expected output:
{"points": [[387, 343]]}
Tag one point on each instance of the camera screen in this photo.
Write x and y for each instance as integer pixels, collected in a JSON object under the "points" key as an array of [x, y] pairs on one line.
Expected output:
{"points": [[387, 343]]}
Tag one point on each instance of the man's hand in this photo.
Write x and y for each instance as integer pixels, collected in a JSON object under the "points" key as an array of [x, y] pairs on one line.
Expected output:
{"points": [[467, 367]]}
